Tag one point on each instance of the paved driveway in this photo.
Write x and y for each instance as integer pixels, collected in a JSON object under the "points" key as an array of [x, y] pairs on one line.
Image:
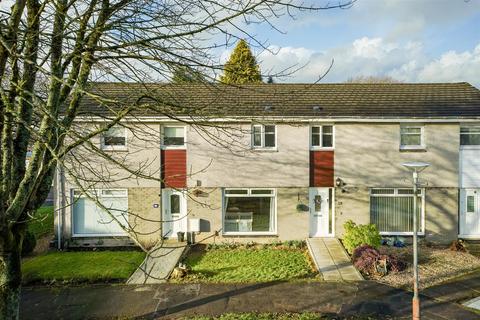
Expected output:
{"points": [[175, 300]]}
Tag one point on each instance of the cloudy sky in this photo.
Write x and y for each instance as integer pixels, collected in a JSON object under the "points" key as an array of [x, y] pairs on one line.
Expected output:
{"points": [[409, 40]]}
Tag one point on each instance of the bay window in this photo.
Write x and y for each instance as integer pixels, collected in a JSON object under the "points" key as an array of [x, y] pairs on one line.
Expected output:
{"points": [[391, 210], [249, 211], [90, 219]]}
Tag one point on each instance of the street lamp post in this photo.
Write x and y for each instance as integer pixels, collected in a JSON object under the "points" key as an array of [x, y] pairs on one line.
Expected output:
{"points": [[416, 168]]}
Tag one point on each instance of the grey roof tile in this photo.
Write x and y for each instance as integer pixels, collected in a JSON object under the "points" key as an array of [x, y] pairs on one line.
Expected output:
{"points": [[396, 100]]}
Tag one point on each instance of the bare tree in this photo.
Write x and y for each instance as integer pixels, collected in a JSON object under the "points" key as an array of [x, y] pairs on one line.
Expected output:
{"points": [[64, 44]]}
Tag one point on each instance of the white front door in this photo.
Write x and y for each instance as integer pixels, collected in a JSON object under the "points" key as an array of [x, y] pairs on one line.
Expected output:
{"points": [[470, 213], [174, 212], [321, 212]]}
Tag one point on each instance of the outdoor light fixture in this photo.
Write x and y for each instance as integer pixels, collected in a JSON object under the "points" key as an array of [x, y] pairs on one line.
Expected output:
{"points": [[415, 167], [339, 182]]}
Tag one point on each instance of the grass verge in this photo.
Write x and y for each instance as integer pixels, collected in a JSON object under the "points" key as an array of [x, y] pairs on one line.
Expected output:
{"points": [[278, 316], [81, 266], [244, 265]]}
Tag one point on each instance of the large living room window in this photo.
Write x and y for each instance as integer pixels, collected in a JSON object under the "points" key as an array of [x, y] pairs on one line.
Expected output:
{"points": [[90, 219], [249, 211], [391, 210], [470, 136], [264, 136]]}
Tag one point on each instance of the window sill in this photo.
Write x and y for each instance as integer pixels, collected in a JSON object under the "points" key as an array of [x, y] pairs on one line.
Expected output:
{"points": [[470, 147], [264, 149], [249, 234], [469, 236], [174, 147], [413, 148], [101, 235], [322, 148], [401, 233], [120, 149]]}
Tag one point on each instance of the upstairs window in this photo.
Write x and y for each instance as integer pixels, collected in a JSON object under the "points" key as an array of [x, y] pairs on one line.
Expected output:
{"points": [[321, 136], [114, 138], [470, 136], [264, 136], [412, 137], [173, 137]]}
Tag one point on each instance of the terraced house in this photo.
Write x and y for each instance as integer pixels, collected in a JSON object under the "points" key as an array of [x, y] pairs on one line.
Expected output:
{"points": [[272, 162]]}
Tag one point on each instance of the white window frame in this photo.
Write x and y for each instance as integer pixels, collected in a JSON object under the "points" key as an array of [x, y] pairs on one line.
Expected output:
{"points": [[321, 147], [466, 147], [169, 147], [422, 145], [96, 193], [262, 135], [114, 148], [250, 195], [396, 194]]}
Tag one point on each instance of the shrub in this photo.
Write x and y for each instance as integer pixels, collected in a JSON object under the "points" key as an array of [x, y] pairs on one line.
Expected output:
{"points": [[458, 245], [365, 258], [395, 265], [29, 243], [368, 261], [295, 244], [357, 235]]}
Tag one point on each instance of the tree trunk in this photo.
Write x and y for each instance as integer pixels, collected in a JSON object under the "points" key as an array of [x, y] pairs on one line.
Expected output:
{"points": [[10, 277]]}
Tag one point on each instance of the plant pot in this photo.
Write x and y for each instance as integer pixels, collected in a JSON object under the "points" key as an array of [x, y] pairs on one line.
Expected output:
{"points": [[190, 237], [181, 236]]}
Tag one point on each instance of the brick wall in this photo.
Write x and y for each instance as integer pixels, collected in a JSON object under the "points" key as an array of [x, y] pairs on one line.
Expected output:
{"points": [[144, 218]]}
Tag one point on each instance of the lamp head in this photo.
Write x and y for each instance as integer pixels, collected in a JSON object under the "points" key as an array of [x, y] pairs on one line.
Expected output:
{"points": [[416, 166]]}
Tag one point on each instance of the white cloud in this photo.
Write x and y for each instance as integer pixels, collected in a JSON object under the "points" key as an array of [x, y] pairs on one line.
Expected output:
{"points": [[453, 66], [374, 57]]}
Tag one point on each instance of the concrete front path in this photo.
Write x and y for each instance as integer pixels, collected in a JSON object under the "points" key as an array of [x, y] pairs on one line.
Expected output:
{"points": [[159, 263], [331, 260], [171, 301]]}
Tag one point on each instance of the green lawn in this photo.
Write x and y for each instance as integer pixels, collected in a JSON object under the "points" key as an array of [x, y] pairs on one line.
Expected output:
{"points": [[277, 316], [42, 222], [81, 266], [262, 316], [248, 265]]}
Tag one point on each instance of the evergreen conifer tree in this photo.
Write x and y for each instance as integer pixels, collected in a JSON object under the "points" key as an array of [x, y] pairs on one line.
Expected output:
{"points": [[242, 66]]}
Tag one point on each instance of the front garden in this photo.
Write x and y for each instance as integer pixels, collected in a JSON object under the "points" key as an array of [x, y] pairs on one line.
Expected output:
{"points": [[391, 261], [244, 263], [437, 264], [81, 266], [48, 267]]}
